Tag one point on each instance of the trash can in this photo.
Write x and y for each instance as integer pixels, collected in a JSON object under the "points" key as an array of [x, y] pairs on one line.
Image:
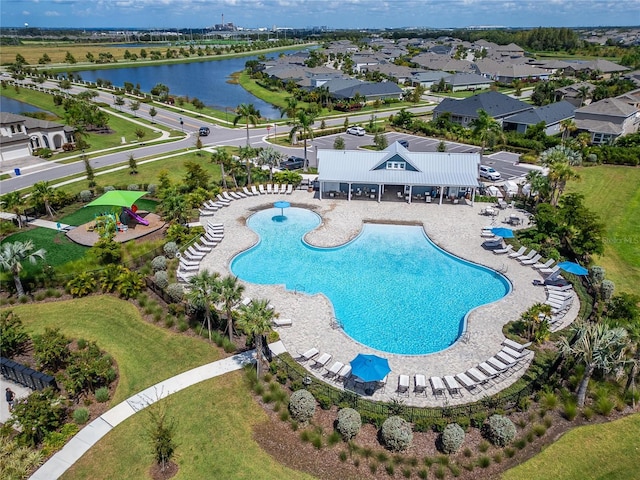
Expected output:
{"points": [[16, 171]]}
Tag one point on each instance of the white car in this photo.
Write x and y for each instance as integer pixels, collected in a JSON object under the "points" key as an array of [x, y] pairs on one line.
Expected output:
{"points": [[490, 173], [355, 130]]}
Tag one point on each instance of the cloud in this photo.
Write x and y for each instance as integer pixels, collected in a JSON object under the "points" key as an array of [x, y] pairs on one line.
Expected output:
{"points": [[51, 13]]}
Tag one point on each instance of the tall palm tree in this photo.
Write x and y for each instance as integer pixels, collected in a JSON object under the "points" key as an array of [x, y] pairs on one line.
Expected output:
{"points": [[230, 294], [599, 347], [539, 185], [271, 157], [559, 174], [303, 122], [485, 128], [12, 256], [43, 194], [14, 202], [255, 320], [567, 127], [583, 93], [204, 292], [246, 154], [250, 115], [221, 157], [290, 109]]}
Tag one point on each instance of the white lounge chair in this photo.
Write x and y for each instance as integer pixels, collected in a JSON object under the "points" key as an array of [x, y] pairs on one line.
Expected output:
{"points": [[227, 196], [189, 263], [289, 189], [242, 194], [477, 375], [211, 205], [437, 386], [518, 347], [513, 353], [502, 251], [520, 251], [564, 288], [190, 257], [546, 264], [505, 358], [283, 188], [344, 373], [335, 369], [531, 261], [559, 296], [485, 233], [189, 268], [528, 256], [403, 385], [282, 322], [185, 277], [195, 253], [215, 225], [499, 366], [420, 383], [309, 354], [202, 248], [205, 212], [549, 271], [269, 188], [247, 192], [246, 301], [254, 190], [208, 242], [453, 387], [322, 360], [490, 371], [262, 190], [469, 384], [223, 200]]}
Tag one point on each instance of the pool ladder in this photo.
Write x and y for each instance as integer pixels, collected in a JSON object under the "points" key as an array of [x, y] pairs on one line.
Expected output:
{"points": [[336, 324], [299, 288]]}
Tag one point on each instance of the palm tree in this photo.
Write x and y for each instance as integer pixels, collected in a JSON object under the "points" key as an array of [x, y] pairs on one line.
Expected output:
{"points": [[290, 109], [567, 127], [485, 128], [537, 319], [271, 157], [221, 157], [597, 346], [230, 294], [43, 194], [12, 255], [250, 115], [14, 202], [303, 122], [559, 174], [246, 154], [255, 320], [583, 93], [539, 185], [204, 292]]}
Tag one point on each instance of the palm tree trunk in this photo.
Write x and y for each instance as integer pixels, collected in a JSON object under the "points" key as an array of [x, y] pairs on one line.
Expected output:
{"points": [[584, 383], [258, 353], [224, 178], [248, 172], [230, 325], [633, 372], [247, 133], [306, 162], [18, 282]]}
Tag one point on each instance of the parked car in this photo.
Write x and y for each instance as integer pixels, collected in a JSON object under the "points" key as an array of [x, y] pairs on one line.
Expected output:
{"points": [[355, 130], [404, 143], [204, 131], [490, 173], [293, 163]]}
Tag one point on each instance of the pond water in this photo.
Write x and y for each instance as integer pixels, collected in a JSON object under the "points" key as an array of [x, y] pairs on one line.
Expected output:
{"points": [[10, 105]]}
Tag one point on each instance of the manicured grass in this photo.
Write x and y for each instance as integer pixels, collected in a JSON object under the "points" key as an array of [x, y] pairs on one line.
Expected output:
{"points": [[86, 214], [214, 420], [60, 249], [145, 353], [607, 451], [613, 192]]}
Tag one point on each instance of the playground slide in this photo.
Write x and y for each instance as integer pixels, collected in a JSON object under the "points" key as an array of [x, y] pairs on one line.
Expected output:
{"points": [[135, 216]]}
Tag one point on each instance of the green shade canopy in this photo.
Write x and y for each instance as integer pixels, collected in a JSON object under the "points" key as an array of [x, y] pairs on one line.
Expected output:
{"points": [[117, 198]]}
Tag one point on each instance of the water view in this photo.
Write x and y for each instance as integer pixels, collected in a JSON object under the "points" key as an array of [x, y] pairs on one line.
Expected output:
{"points": [[10, 105]]}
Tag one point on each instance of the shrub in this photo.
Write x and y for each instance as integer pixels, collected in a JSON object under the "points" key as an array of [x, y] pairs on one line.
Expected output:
{"points": [[484, 461], [85, 196], [162, 279], [349, 423], [606, 290], [109, 188], [451, 439], [597, 274], [175, 292], [159, 263], [396, 434], [13, 336], [152, 188], [302, 405], [570, 410], [500, 430], [134, 187], [604, 406], [102, 394], [170, 249], [80, 416], [478, 419]]}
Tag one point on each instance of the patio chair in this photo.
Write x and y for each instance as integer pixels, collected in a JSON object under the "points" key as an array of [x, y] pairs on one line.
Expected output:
{"points": [[477, 375], [223, 200], [189, 263], [202, 248], [487, 234], [518, 355], [289, 189], [382, 384], [309, 354], [242, 194], [403, 385], [499, 365], [520, 251], [518, 347], [254, 190], [334, 370], [563, 288], [269, 188], [549, 271], [502, 251], [344, 373], [507, 359], [283, 188], [528, 256], [453, 387], [211, 205], [191, 257], [189, 268], [227, 196], [185, 277], [437, 386], [237, 195], [208, 242], [531, 261], [246, 301], [470, 384], [215, 225], [282, 322], [420, 383], [488, 370], [262, 190], [247, 192], [206, 212], [195, 253], [546, 264], [322, 360]]}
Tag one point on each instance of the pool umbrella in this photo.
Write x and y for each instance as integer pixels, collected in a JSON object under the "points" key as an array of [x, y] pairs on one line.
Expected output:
{"points": [[282, 205], [117, 198], [573, 267], [502, 232], [369, 368]]}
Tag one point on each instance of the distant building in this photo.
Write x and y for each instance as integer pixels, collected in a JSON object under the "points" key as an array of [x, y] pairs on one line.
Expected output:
{"points": [[497, 105], [552, 115], [20, 136], [608, 119]]}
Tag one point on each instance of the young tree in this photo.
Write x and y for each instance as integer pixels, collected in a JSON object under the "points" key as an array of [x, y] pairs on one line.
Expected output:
{"points": [[338, 143], [42, 195], [13, 254], [152, 113], [250, 115], [161, 430], [14, 202], [133, 165], [230, 295], [204, 294], [134, 105], [270, 157], [119, 101], [255, 321], [89, 169], [221, 157], [486, 129]]}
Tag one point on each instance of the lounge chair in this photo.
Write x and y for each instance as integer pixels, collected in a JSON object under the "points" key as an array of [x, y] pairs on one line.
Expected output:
{"points": [[282, 322], [549, 271], [262, 190], [520, 251], [518, 347], [505, 358], [453, 386], [563, 288], [309, 354], [195, 253], [189, 268], [205, 212], [420, 383], [344, 373], [269, 188], [237, 195], [289, 189], [242, 194], [334, 370], [469, 384], [531, 261], [322, 360], [403, 385], [382, 384], [499, 365], [227, 196], [559, 296], [215, 225], [490, 371], [223, 200], [512, 352], [283, 188], [546, 264], [202, 248], [247, 192], [437, 386], [528, 256], [191, 257], [208, 242], [502, 251], [209, 205], [254, 190], [487, 234], [189, 263], [185, 277], [477, 375], [494, 243]]}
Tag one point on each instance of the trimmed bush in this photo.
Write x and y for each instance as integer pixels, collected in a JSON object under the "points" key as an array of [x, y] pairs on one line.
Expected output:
{"points": [[396, 434], [175, 292], [349, 423], [161, 278], [500, 430], [102, 394], [302, 405], [159, 263], [597, 274], [134, 187], [170, 249], [451, 439], [152, 188], [607, 288], [80, 416], [85, 196], [109, 188]]}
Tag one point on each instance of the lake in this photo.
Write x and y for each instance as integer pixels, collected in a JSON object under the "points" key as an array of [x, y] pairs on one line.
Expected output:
{"points": [[206, 81], [10, 105]]}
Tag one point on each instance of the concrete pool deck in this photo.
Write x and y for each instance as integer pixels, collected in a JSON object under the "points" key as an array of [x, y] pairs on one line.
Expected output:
{"points": [[455, 228]]}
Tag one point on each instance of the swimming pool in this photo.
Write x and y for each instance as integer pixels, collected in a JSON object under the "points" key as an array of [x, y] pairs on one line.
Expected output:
{"points": [[391, 288]]}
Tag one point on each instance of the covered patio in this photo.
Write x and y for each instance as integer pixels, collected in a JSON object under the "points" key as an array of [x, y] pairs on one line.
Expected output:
{"points": [[396, 174]]}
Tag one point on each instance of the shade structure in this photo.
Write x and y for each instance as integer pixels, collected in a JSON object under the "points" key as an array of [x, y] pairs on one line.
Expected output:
{"points": [[281, 205], [502, 232], [572, 267], [369, 368], [117, 198]]}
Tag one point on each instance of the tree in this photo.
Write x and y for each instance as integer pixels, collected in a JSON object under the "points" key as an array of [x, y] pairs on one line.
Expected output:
{"points": [[539, 184], [42, 412], [133, 165], [624, 311], [246, 154], [14, 202], [69, 58], [290, 109], [221, 157], [152, 113], [196, 176], [486, 129], [536, 320], [303, 122], [134, 105], [119, 101], [161, 430], [599, 347], [338, 143], [13, 254], [174, 205], [204, 294], [584, 92], [161, 91], [559, 174], [13, 336], [250, 115], [567, 127], [271, 157], [255, 321], [230, 293]]}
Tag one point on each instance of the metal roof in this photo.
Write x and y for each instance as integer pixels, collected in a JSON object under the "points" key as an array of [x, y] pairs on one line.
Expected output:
{"points": [[432, 168]]}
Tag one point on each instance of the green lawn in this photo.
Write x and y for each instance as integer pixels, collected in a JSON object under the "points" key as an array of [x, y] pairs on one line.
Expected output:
{"points": [[613, 192], [145, 353], [214, 421], [60, 249], [609, 451]]}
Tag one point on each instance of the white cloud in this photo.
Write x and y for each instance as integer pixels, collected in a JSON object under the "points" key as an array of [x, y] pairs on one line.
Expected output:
{"points": [[51, 13]]}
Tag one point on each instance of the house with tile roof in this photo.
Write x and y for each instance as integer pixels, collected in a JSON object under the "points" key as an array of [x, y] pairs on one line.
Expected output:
{"points": [[608, 119], [552, 115], [20, 136], [496, 104]]}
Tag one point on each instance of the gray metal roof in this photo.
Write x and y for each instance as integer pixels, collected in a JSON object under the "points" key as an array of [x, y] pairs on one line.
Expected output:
{"points": [[433, 168]]}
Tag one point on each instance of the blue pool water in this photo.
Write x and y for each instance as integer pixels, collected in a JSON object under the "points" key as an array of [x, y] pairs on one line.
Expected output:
{"points": [[391, 287]]}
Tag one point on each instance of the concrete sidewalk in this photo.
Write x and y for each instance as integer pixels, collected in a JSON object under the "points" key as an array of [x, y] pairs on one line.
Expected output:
{"points": [[92, 433]]}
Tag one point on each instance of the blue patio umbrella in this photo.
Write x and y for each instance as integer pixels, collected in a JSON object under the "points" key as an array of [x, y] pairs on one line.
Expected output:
{"points": [[281, 205], [573, 267], [369, 368], [502, 232]]}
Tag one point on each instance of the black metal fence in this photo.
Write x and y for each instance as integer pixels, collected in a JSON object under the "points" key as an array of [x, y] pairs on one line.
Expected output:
{"points": [[26, 376]]}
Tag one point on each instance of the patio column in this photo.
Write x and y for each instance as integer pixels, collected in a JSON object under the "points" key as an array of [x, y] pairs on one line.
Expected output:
{"points": [[410, 192], [441, 194], [321, 184], [349, 192], [473, 195], [380, 187]]}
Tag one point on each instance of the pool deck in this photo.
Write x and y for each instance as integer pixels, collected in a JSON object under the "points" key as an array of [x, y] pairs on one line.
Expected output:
{"points": [[455, 228]]}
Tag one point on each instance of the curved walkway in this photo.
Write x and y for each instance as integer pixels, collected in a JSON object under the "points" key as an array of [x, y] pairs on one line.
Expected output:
{"points": [[92, 433]]}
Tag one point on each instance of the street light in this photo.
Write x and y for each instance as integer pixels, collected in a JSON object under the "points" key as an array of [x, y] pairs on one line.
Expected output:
{"points": [[181, 125]]}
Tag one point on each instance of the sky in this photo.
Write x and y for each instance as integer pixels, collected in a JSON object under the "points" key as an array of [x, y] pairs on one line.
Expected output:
{"points": [[150, 14]]}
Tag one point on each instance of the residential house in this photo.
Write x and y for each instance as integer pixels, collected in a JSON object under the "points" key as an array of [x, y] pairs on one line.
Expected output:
{"points": [[608, 119], [20, 136], [576, 93], [552, 115], [508, 73], [467, 81], [428, 78], [604, 68], [497, 105], [398, 73], [370, 90]]}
